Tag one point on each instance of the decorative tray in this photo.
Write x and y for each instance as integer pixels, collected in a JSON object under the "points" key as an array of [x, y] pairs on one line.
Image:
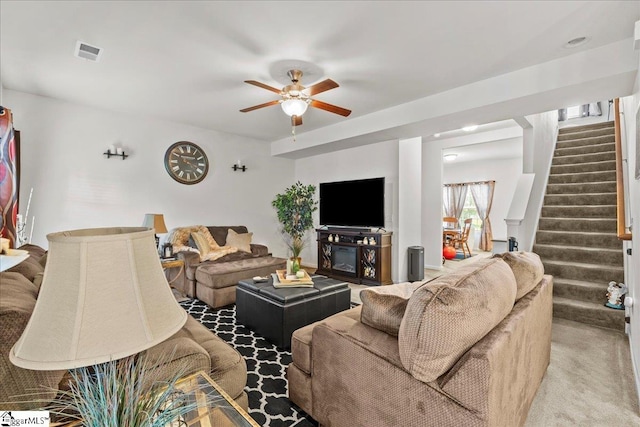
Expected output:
{"points": [[282, 277]]}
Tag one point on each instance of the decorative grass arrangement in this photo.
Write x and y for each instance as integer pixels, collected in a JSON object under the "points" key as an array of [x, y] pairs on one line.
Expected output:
{"points": [[130, 392]]}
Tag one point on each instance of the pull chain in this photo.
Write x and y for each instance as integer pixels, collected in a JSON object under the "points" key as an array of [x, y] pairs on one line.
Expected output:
{"points": [[293, 133]]}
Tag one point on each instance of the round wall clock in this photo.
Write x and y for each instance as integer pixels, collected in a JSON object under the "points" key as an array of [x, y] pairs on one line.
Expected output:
{"points": [[186, 162]]}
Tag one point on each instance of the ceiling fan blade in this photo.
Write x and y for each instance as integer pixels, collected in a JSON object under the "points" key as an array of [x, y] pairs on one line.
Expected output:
{"points": [[296, 120], [263, 86], [331, 108], [255, 107], [321, 87]]}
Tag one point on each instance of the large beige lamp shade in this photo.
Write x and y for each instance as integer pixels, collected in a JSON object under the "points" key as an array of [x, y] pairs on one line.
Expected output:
{"points": [[104, 296]]}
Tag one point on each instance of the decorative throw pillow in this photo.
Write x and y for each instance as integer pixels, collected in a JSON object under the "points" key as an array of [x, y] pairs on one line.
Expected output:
{"points": [[240, 241], [201, 242], [527, 267], [447, 316], [179, 237], [383, 307]]}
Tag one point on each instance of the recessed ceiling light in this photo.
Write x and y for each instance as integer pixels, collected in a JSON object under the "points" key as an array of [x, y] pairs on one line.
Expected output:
{"points": [[578, 41], [437, 135], [450, 157], [470, 128]]}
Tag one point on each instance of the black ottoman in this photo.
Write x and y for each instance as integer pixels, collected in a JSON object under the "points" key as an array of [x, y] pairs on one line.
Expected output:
{"points": [[276, 313]]}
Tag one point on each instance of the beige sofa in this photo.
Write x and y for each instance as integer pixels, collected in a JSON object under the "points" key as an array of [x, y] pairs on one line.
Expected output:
{"points": [[214, 281], [193, 344], [466, 349]]}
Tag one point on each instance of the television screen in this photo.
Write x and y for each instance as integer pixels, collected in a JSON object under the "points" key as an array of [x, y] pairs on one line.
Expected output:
{"points": [[357, 203]]}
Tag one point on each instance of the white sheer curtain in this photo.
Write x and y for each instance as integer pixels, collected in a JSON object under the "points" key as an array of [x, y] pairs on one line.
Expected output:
{"points": [[453, 196], [482, 194]]}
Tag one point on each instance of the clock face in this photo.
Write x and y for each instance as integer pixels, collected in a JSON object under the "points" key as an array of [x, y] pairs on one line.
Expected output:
{"points": [[186, 162]]}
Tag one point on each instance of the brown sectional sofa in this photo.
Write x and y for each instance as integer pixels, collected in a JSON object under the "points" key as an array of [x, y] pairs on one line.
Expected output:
{"points": [[214, 282], [466, 349], [193, 344]]}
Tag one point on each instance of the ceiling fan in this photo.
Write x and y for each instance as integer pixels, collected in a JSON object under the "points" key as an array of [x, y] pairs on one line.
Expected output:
{"points": [[296, 98]]}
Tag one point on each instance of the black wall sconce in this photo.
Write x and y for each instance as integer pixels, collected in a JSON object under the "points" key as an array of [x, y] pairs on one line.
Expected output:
{"points": [[239, 166], [115, 151]]}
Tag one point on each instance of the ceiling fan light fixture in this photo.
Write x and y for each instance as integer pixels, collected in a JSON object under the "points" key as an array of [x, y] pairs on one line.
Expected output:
{"points": [[294, 107]]}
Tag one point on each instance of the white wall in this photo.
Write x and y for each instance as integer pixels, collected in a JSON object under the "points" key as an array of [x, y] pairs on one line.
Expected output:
{"points": [[76, 186], [371, 161], [540, 140], [409, 229], [505, 172], [631, 105]]}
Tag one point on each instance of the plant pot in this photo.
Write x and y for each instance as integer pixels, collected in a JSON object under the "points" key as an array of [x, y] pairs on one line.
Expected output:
{"points": [[296, 263]]}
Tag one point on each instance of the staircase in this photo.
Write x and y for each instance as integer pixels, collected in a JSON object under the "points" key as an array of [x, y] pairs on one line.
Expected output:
{"points": [[576, 236]]}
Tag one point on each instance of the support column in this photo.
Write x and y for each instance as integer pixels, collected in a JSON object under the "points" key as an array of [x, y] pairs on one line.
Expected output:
{"points": [[409, 225]]}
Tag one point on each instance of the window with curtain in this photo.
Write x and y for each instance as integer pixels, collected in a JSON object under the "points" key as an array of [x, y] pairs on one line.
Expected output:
{"points": [[471, 200]]}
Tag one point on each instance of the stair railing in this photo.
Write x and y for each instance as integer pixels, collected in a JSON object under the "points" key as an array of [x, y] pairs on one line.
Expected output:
{"points": [[623, 233]]}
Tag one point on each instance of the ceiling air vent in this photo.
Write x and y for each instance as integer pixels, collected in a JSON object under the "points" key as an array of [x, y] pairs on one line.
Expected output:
{"points": [[86, 51]]}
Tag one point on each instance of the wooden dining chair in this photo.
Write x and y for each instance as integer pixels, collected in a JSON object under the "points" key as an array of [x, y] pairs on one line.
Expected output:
{"points": [[460, 240], [450, 229]]}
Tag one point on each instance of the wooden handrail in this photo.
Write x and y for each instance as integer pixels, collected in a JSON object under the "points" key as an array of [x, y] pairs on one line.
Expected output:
{"points": [[622, 228]]}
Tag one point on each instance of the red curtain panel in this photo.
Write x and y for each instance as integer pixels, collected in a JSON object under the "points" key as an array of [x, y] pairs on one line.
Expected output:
{"points": [[8, 176]]}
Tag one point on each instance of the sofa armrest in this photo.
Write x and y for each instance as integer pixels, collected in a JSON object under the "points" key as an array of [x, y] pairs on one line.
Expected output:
{"points": [[511, 360], [259, 250], [191, 259]]}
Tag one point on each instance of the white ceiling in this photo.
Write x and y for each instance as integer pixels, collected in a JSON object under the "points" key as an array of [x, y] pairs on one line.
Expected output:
{"points": [[186, 61]]}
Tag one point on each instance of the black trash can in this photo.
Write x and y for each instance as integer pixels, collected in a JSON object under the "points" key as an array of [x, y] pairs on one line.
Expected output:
{"points": [[416, 263]]}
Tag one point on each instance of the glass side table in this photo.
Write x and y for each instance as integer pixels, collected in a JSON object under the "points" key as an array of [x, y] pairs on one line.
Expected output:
{"points": [[222, 410]]}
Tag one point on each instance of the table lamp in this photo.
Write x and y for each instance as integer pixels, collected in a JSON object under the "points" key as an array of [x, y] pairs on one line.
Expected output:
{"points": [[155, 221], [104, 296]]}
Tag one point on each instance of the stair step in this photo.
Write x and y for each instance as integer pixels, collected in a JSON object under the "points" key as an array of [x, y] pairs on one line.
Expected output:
{"points": [[584, 158], [582, 128], [578, 238], [566, 150], [589, 313], [582, 254], [563, 136], [580, 290], [603, 225], [582, 271], [567, 178], [609, 165], [581, 211], [585, 142], [586, 187], [580, 199]]}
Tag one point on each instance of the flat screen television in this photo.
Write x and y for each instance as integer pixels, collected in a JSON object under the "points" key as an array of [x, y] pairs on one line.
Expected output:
{"points": [[358, 203]]}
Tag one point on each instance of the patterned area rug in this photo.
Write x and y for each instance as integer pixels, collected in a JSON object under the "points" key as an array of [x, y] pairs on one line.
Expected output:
{"points": [[266, 367]]}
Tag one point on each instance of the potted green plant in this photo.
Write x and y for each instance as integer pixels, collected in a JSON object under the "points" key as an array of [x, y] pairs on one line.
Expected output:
{"points": [[295, 209]]}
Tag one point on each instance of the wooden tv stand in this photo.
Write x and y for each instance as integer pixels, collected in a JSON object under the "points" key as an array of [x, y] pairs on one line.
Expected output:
{"points": [[346, 259]]}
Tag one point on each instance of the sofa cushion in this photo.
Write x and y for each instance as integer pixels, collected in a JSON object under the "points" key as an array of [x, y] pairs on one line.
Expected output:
{"points": [[17, 301], [527, 267], [17, 293], [447, 316], [301, 340], [219, 232], [29, 268], [240, 241], [383, 307], [217, 253]]}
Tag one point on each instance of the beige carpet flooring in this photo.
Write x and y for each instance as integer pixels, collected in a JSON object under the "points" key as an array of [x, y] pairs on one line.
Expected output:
{"points": [[589, 382]]}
